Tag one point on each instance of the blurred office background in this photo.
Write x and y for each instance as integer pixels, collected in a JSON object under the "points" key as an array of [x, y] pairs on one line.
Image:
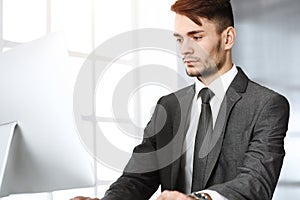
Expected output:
{"points": [[267, 48]]}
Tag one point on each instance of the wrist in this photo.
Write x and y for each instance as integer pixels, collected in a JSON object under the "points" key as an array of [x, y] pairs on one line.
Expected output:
{"points": [[200, 196]]}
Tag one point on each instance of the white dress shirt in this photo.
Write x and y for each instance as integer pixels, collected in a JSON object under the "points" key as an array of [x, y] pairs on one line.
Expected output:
{"points": [[219, 88]]}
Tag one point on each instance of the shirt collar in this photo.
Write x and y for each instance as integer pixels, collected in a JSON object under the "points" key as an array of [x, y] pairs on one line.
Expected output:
{"points": [[220, 85]]}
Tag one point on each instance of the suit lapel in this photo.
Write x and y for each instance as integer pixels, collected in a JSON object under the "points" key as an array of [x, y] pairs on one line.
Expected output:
{"points": [[181, 123], [232, 96], [219, 132]]}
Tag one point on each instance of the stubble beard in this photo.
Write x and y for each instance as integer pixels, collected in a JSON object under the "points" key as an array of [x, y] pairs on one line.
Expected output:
{"points": [[203, 71]]}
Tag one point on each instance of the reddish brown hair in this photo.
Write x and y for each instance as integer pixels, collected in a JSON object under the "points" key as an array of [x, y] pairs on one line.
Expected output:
{"points": [[218, 11]]}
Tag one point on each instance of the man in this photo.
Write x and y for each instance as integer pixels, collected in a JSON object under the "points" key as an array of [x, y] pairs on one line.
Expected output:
{"points": [[224, 143]]}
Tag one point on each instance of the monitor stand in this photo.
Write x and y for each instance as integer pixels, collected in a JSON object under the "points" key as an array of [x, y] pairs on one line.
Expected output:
{"points": [[7, 131], [6, 134]]}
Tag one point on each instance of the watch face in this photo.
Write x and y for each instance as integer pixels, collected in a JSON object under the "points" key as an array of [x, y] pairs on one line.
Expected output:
{"points": [[201, 196]]}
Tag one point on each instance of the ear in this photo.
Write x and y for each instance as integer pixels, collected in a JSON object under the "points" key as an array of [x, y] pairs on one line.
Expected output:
{"points": [[229, 35]]}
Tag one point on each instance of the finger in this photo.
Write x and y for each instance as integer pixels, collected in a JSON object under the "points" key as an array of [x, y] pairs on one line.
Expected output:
{"points": [[172, 195], [163, 195], [78, 198]]}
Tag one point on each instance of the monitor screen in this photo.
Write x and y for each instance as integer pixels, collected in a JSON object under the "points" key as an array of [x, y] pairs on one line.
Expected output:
{"points": [[36, 88]]}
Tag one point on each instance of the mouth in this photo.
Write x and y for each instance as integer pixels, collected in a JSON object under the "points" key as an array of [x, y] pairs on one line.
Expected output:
{"points": [[190, 61]]}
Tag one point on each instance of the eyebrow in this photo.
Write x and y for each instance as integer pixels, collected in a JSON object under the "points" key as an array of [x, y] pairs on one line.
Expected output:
{"points": [[190, 33], [177, 35], [194, 32]]}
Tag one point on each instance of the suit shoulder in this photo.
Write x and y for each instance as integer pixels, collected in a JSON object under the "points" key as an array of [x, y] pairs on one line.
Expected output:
{"points": [[263, 92], [173, 97]]}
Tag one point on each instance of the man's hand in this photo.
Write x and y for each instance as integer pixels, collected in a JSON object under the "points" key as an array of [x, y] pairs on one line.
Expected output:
{"points": [[84, 198], [173, 195]]}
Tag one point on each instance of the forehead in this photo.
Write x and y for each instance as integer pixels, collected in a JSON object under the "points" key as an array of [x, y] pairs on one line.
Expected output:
{"points": [[184, 25]]}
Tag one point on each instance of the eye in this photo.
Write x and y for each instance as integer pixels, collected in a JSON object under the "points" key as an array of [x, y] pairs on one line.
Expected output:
{"points": [[179, 40], [197, 38]]}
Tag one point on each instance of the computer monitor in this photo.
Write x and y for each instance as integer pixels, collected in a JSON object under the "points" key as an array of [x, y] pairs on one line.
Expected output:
{"points": [[36, 90]]}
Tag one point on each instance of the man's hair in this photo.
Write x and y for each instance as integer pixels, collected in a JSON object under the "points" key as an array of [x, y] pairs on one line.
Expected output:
{"points": [[218, 11]]}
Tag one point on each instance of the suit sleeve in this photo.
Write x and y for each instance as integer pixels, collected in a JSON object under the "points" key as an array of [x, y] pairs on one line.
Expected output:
{"points": [[259, 173], [139, 179]]}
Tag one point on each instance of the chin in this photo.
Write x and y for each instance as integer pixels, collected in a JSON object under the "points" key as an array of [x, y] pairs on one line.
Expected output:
{"points": [[192, 72]]}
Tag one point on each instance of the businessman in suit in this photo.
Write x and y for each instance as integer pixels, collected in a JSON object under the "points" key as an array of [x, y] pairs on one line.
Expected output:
{"points": [[221, 138]]}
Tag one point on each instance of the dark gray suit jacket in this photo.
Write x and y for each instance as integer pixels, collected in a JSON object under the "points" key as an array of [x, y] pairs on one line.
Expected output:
{"points": [[244, 163]]}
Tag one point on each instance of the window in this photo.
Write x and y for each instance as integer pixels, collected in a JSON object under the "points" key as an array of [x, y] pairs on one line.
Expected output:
{"points": [[86, 25]]}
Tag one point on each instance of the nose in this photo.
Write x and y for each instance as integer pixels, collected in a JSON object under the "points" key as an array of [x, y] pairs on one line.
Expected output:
{"points": [[186, 47]]}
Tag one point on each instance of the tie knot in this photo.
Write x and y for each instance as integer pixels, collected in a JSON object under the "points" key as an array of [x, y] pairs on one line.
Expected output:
{"points": [[206, 94]]}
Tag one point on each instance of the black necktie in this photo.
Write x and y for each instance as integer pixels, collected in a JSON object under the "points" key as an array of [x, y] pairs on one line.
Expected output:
{"points": [[205, 126]]}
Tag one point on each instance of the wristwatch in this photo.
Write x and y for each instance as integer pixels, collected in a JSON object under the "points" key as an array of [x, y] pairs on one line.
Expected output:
{"points": [[199, 196]]}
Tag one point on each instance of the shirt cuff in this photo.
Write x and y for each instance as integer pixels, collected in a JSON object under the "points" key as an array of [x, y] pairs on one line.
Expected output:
{"points": [[214, 195]]}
